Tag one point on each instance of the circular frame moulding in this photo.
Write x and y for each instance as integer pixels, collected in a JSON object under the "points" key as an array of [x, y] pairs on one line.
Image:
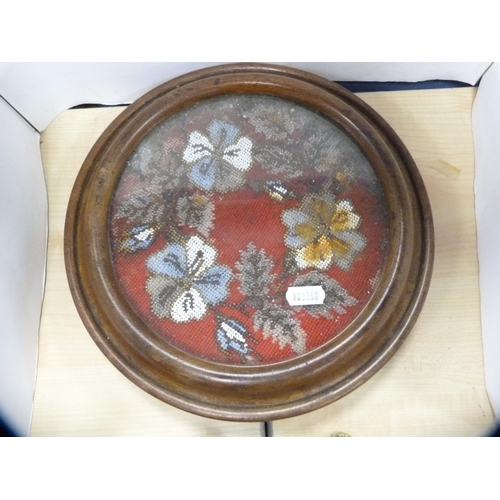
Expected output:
{"points": [[249, 242]]}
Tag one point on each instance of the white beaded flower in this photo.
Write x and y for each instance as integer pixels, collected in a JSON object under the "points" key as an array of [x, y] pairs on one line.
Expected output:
{"points": [[219, 160], [186, 280]]}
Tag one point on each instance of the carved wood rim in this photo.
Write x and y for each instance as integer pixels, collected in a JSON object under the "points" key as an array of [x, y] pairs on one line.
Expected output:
{"points": [[264, 392]]}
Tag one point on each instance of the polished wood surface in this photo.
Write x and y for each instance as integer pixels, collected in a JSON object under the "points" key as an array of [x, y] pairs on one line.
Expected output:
{"points": [[264, 391], [433, 386]]}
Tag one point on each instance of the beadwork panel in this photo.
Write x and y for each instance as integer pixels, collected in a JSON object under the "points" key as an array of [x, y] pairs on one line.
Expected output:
{"points": [[248, 230]]}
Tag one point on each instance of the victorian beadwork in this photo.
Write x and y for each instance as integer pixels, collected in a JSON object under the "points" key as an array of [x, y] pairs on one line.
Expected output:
{"points": [[226, 205]]}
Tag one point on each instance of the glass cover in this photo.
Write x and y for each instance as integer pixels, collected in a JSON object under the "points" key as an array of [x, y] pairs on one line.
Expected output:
{"points": [[248, 229]]}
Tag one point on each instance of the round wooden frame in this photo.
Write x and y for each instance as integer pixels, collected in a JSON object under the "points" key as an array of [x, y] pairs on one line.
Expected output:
{"points": [[264, 392]]}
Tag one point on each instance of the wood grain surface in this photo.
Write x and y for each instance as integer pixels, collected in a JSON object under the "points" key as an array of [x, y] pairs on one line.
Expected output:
{"points": [[434, 385]]}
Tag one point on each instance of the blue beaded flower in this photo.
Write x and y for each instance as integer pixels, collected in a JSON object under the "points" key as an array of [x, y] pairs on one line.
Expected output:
{"points": [[219, 160], [186, 280]]}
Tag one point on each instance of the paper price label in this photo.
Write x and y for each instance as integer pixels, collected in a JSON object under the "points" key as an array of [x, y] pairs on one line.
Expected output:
{"points": [[305, 295]]}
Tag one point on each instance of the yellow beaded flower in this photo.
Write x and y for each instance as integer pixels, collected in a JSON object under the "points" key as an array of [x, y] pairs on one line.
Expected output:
{"points": [[323, 231]]}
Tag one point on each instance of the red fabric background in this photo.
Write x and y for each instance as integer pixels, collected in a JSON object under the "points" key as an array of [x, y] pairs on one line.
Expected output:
{"points": [[245, 216]]}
